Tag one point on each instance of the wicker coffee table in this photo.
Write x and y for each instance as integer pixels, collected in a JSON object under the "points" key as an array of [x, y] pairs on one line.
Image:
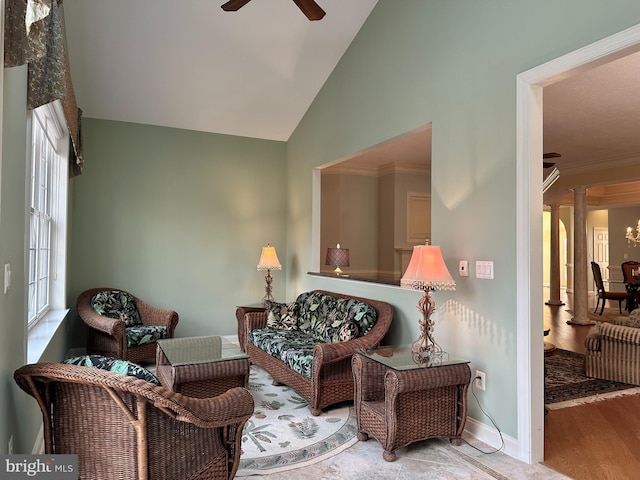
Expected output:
{"points": [[399, 402], [201, 367]]}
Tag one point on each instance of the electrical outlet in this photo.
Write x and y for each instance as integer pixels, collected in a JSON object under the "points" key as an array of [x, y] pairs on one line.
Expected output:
{"points": [[10, 449], [480, 380]]}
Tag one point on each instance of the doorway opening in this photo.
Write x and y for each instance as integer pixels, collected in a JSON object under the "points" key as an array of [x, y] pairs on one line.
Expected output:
{"points": [[529, 209]]}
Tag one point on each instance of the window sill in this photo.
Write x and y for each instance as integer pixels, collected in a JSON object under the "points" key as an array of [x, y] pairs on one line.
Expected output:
{"points": [[41, 333]]}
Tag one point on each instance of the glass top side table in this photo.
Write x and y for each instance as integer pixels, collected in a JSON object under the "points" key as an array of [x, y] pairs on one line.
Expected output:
{"points": [[195, 350], [400, 400], [201, 367], [400, 357]]}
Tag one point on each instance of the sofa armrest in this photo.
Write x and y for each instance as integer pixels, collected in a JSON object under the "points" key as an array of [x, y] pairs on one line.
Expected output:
{"points": [[151, 315], [334, 352], [234, 406], [592, 342], [619, 333], [111, 326], [255, 320]]}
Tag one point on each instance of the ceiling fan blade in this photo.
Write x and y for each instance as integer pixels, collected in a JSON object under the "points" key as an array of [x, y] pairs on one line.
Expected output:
{"points": [[548, 164], [310, 8], [233, 5], [551, 155]]}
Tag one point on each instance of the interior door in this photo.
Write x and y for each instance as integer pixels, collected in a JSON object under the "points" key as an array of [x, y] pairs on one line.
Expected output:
{"points": [[601, 251]]}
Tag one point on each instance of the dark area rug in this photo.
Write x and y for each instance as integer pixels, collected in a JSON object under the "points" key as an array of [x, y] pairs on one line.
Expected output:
{"points": [[565, 379]]}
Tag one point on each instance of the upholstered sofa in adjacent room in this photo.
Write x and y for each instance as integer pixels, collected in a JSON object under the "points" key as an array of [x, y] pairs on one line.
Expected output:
{"points": [[613, 350], [308, 344]]}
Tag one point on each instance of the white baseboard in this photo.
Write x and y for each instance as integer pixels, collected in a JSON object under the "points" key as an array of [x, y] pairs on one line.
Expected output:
{"points": [[491, 437]]}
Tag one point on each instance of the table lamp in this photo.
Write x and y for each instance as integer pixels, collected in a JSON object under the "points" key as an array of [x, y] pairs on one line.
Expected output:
{"points": [[337, 257], [426, 271], [268, 261]]}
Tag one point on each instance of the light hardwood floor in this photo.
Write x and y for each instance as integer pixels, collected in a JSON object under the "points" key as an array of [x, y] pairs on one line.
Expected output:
{"points": [[595, 441]]}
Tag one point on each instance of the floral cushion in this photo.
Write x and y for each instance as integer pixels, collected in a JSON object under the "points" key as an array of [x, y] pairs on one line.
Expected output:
{"points": [[282, 316], [334, 319], [142, 334], [294, 348], [117, 304], [114, 365]]}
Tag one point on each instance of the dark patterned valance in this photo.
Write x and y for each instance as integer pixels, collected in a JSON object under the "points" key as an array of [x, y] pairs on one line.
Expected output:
{"points": [[34, 35]]}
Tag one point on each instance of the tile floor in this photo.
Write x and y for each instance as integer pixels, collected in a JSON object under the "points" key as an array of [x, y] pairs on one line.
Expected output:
{"points": [[434, 459]]}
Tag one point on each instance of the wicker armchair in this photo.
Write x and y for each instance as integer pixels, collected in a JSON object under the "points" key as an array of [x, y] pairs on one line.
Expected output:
{"points": [[124, 427], [108, 336]]}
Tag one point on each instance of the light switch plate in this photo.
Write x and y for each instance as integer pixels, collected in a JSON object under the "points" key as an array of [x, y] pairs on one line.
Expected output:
{"points": [[484, 269]]}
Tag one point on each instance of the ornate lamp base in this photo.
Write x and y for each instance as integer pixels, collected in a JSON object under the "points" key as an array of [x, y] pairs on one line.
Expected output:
{"points": [[425, 348], [268, 298]]}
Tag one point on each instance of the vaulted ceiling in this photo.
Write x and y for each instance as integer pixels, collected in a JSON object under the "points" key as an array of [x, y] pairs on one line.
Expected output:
{"points": [[254, 73], [189, 64]]}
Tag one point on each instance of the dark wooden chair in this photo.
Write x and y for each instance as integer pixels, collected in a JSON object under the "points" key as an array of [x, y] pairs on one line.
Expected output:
{"points": [[632, 283], [603, 295], [627, 269]]}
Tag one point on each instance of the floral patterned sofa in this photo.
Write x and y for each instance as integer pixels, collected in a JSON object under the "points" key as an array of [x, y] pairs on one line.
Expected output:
{"points": [[308, 344]]}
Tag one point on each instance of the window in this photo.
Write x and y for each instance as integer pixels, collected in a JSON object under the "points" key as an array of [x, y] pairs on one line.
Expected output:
{"points": [[48, 210]]}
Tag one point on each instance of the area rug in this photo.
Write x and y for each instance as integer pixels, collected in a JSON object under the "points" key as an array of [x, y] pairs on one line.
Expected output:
{"points": [[282, 434], [566, 384]]}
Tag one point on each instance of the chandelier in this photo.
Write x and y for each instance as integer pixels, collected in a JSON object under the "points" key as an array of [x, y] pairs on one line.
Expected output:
{"points": [[630, 238]]}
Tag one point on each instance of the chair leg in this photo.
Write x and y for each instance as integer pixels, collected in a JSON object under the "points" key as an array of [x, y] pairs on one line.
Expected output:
{"points": [[602, 308], [620, 306], [597, 305]]}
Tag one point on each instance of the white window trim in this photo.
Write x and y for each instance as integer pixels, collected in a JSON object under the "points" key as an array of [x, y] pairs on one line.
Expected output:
{"points": [[41, 331]]}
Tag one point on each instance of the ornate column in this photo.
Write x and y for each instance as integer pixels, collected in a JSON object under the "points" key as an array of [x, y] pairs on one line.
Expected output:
{"points": [[580, 293], [554, 281]]}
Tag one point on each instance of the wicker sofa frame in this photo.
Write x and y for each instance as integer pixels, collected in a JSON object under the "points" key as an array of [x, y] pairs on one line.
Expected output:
{"points": [[124, 427], [331, 379], [613, 353], [107, 336]]}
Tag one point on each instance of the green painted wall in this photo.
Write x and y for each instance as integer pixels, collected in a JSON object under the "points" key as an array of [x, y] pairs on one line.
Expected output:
{"points": [[455, 64], [12, 221], [178, 218], [19, 415]]}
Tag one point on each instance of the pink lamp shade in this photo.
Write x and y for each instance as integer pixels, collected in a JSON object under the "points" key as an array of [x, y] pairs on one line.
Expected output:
{"points": [[427, 269]]}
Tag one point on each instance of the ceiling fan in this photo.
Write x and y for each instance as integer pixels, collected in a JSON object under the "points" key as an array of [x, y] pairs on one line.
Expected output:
{"points": [[309, 7], [549, 155]]}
